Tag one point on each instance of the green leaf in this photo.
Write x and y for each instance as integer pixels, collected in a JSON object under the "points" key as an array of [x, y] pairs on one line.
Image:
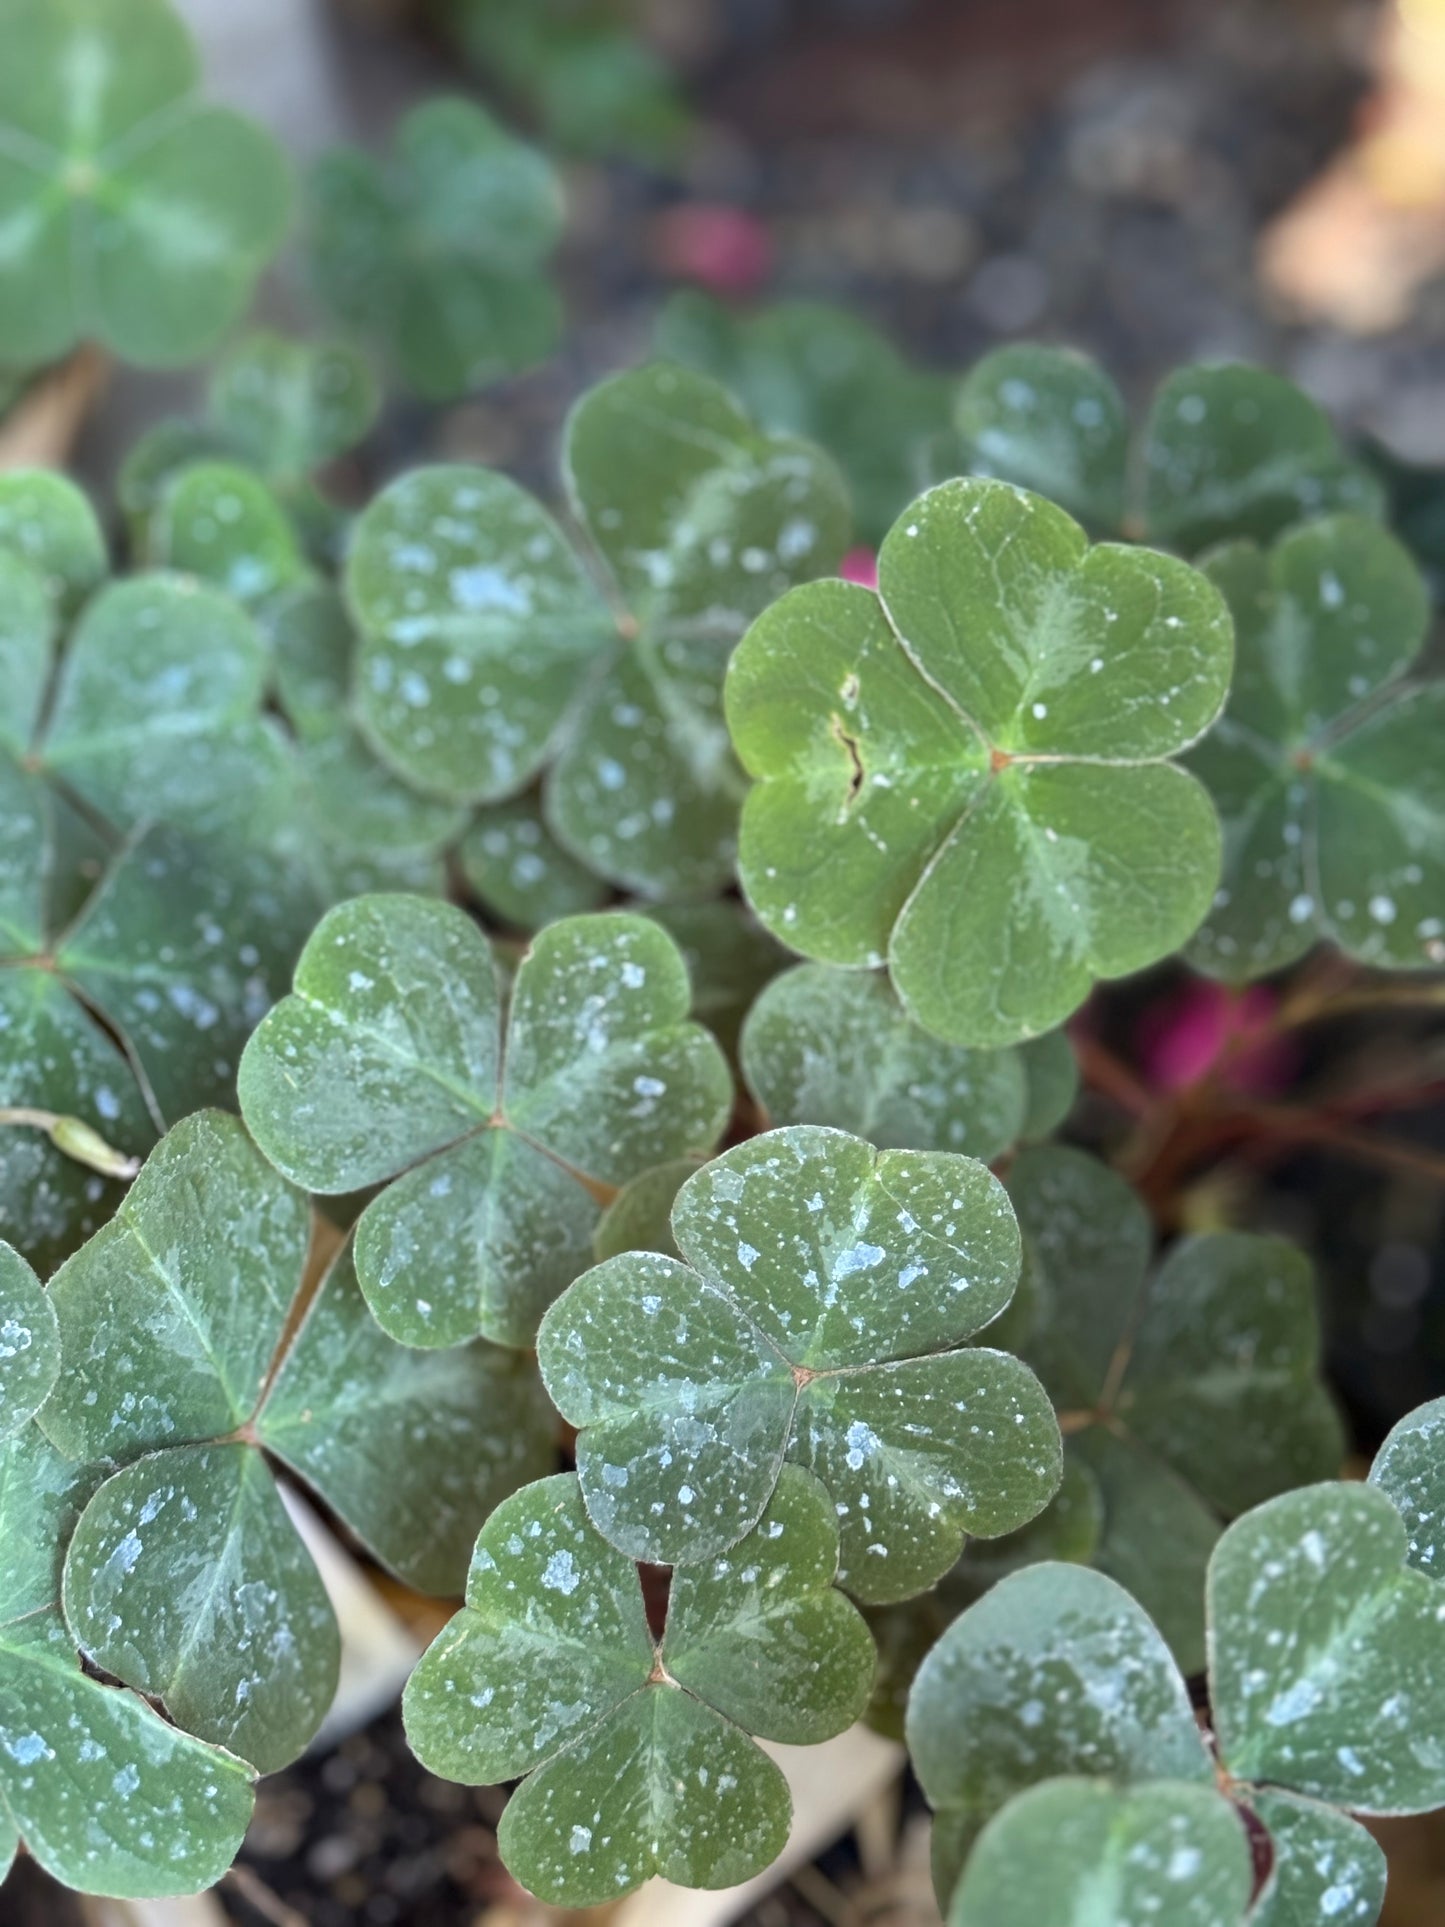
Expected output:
{"points": [[804, 368], [948, 779], [187, 1579], [824, 1046], [411, 1449], [389, 1060], [1331, 797], [1055, 1671], [73, 1750], [293, 406], [639, 1218], [1051, 1077], [138, 216], [826, 1284], [170, 1315], [153, 462], [29, 1343], [729, 958], [54, 1056], [1326, 1868], [439, 255], [519, 871], [1236, 451], [312, 647], [1080, 1853], [642, 1764], [27, 645], [157, 711], [222, 523], [49, 523], [1049, 420], [1327, 1653], [476, 621], [1409, 1469]]}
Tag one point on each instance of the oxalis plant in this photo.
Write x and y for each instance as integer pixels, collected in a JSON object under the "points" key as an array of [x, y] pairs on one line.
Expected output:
{"points": [[535, 1028]]}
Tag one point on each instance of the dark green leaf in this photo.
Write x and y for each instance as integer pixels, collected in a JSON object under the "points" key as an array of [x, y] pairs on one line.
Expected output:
{"points": [[1049, 420], [29, 1343]]}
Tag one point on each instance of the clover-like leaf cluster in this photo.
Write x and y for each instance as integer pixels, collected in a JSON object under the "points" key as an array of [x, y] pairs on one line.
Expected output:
{"points": [[136, 214], [1054, 1704]]}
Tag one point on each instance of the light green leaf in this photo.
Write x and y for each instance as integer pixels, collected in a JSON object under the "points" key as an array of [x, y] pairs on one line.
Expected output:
{"points": [[222, 523], [643, 1764], [72, 1749], [1081, 1853], [157, 712], [967, 771], [1327, 1653], [137, 215], [1409, 1469], [49, 523], [702, 518], [476, 621], [439, 254], [1326, 1868], [1331, 800], [1055, 1671], [1232, 451], [29, 1343], [170, 1315], [1049, 420], [388, 1060], [830, 1282], [519, 871], [293, 405], [411, 1449], [824, 1046], [803, 368], [186, 1579]]}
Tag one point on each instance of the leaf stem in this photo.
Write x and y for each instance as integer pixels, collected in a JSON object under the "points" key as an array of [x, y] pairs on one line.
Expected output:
{"points": [[74, 1137]]}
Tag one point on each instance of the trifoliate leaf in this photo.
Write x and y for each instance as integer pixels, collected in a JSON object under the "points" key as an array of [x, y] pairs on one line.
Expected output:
{"points": [[138, 216], [824, 1046], [489, 650], [1236, 451], [391, 1058], [73, 1750], [187, 1579], [312, 646], [519, 871], [1409, 1469], [804, 368], [1075, 1852], [1327, 1653], [1050, 420], [966, 773], [826, 1287], [292, 406], [179, 1319], [1191, 1395], [49, 523], [1331, 796], [222, 523], [638, 1753], [1055, 1671], [439, 255], [1326, 1868], [29, 1343]]}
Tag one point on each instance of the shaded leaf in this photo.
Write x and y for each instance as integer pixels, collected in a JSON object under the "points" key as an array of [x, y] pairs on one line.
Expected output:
{"points": [[222, 523], [29, 1343], [1050, 420], [1409, 1469], [293, 405], [1326, 1868], [519, 871], [48, 522]]}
